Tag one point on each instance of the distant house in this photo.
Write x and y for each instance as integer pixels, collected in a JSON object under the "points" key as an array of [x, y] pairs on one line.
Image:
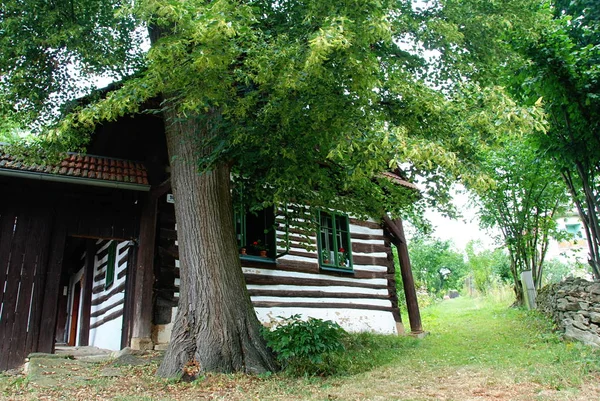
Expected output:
{"points": [[89, 256], [572, 249]]}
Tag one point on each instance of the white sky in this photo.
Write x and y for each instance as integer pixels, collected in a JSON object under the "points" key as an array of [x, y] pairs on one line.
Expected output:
{"points": [[462, 230]]}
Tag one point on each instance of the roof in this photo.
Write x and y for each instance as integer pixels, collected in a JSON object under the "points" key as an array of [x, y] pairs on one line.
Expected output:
{"points": [[395, 178], [81, 169]]}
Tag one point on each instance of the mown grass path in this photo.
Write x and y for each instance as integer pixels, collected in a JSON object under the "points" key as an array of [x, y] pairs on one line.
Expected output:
{"points": [[476, 350], [481, 350]]}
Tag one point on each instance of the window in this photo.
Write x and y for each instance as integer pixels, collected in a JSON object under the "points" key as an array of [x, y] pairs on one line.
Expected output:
{"points": [[334, 242], [256, 233], [110, 264], [574, 229]]}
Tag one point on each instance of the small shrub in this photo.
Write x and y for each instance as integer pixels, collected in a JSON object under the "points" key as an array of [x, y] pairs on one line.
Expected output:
{"points": [[306, 348]]}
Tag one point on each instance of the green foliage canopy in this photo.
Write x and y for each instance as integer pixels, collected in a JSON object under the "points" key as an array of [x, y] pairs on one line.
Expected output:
{"points": [[284, 87]]}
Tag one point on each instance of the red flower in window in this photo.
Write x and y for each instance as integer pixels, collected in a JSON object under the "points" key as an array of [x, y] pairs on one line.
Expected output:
{"points": [[341, 250]]}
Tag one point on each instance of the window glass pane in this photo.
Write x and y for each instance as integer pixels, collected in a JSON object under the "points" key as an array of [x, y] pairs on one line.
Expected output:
{"points": [[260, 232], [344, 250], [334, 241]]}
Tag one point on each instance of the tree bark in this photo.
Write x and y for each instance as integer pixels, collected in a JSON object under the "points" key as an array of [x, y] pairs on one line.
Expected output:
{"points": [[216, 328]]}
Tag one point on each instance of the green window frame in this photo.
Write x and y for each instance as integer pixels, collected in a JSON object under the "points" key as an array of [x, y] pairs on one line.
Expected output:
{"points": [[110, 264], [258, 230], [333, 240]]}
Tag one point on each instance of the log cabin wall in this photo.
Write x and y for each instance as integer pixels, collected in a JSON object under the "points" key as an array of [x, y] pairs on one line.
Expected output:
{"points": [[361, 300]]}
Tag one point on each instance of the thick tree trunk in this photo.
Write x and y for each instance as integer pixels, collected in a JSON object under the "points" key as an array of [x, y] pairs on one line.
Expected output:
{"points": [[216, 328]]}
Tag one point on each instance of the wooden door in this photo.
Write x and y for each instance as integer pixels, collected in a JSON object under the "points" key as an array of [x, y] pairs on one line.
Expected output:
{"points": [[74, 314]]}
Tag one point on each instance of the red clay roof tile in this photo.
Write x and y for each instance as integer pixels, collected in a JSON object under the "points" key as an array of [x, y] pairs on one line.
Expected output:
{"points": [[85, 167]]}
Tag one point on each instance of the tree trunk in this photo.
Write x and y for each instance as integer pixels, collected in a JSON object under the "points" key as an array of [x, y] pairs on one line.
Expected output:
{"points": [[518, 287], [216, 328], [587, 214]]}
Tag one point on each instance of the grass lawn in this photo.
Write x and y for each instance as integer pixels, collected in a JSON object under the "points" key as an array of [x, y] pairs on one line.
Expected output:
{"points": [[477, 350]]}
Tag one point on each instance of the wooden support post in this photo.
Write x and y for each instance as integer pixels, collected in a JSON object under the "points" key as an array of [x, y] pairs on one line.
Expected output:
{"points": [[141, 332], [88, 284], [129, 291], [414, 315]]}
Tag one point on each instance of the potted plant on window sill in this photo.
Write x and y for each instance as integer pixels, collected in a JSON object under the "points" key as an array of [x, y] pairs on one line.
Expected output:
{"points": [[342, 257], [259, 248]]}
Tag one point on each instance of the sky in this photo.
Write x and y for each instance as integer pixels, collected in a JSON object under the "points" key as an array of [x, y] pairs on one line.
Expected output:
{"points": [[462, 230]]}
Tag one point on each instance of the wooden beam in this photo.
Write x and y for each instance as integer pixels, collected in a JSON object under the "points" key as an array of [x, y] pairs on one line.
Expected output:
{"points": [[129, 291], [143, 276], [412, 305], [267, 304], [86, 303], [263, 279]]}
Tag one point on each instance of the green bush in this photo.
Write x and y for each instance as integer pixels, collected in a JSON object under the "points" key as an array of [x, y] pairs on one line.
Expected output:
{"points": [[306, 348]]}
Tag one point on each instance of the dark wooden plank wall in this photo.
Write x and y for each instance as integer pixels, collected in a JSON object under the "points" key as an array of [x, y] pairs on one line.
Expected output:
{"points": [[34, 225], [166, 270], [24, 243]]}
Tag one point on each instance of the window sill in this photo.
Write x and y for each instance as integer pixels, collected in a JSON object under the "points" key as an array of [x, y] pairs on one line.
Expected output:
{"points": [[349, 270], [263, 259]]}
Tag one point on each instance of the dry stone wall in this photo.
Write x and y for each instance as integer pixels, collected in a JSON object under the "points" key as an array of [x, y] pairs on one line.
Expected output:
{"points": [[574, 305]]}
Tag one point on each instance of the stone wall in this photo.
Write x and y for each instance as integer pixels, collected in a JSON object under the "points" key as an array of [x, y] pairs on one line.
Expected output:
{"points": [[574, 305]]}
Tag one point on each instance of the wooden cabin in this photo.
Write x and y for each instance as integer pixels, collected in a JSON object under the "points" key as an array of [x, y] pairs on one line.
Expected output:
{"points": [[88, 253]]}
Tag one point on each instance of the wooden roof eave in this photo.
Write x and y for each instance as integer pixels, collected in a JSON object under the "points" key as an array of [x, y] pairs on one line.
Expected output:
{"points": [[74, 180]]}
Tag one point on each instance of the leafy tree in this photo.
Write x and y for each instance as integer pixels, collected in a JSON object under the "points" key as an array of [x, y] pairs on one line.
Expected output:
{"points": [[541, 52], [565, 72], [521, 201], [296, 100], [487, 266], [436, 266], [557, 270]]}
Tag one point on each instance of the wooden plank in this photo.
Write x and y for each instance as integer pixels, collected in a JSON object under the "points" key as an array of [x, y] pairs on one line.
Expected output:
{"points": [[264, 304], [120, 288], [370, 260], [144, 271], [369, 248], [7, 223], [102, 311], [129, 290], [86, 302], [39, 286], [9, 301], [304, 254], [285, 265], [260, 279], [107, 319], [52, 287], [312, 294], [18, 347], [122, 273], [354, 235], [303, 232], [308, 267], [100, 276], [124, 258], [396, 230], [364, 223]]}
